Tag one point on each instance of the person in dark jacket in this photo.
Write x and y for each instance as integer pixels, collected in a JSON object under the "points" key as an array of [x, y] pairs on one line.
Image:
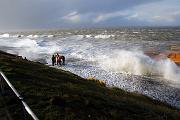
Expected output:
{"points": [[53, 60]]}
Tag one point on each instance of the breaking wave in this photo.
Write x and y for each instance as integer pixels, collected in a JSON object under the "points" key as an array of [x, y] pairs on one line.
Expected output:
{"points": [[6, 35], [103, 36], [137, 63], [32, 49]]}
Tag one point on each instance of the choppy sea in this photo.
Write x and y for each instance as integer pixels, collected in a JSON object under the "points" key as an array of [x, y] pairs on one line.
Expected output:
{"points": [[115, 56]]}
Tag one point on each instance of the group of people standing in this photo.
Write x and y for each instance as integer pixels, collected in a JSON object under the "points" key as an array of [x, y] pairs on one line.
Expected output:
{"points": [[58, 60]]}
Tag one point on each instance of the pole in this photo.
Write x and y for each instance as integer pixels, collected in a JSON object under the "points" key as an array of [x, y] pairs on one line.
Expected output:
{"points": [[27, 108]]}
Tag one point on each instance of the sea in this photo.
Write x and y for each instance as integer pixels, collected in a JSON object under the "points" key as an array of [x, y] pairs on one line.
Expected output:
{"points": [[113, 55]]}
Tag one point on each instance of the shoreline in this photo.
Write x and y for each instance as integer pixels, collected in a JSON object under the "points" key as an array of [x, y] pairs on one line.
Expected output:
{"points": [[54, 92]]}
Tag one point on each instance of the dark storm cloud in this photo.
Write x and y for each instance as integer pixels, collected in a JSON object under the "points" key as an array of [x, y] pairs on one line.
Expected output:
{"points": [[37, 14]]}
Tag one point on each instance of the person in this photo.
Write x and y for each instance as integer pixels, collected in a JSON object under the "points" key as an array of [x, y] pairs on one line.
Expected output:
{"points": [[53, 60], [56, 58], [63, 60], [59, 60]]}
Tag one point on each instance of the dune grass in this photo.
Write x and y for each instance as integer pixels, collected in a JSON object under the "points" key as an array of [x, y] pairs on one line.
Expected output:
{"points": [[55, 94]]}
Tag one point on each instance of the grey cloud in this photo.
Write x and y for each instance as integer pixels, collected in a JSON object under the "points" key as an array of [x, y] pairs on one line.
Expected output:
{"points": [[35, 14]]}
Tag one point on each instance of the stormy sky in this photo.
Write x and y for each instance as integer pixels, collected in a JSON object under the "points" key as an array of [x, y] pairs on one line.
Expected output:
{"points": [[50, 14]]}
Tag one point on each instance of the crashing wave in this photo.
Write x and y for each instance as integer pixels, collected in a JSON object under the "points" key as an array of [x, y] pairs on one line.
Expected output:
{"points": [[103, 36], [135, 62], [6, 35], [50, 36], [88, 36], [32, 36]]}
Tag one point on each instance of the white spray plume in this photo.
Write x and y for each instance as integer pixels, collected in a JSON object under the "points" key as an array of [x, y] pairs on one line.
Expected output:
{"points": [[6, 35], [135, 62]]}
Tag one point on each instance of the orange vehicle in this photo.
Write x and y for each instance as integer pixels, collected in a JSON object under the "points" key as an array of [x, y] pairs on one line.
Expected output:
{"points": [[175, 57], [172, 55]]}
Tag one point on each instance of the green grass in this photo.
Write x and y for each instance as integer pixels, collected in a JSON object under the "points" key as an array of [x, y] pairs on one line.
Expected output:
{"points": [[55, 94]]}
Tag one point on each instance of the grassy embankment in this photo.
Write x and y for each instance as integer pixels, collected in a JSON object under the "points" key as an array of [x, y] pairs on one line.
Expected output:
{"points": [[56, 94]]}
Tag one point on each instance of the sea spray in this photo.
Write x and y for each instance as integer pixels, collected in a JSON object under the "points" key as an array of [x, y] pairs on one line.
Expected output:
{"points": [[137, 63], [170, 71], [30, 48], [6, 35], [129, 62]]}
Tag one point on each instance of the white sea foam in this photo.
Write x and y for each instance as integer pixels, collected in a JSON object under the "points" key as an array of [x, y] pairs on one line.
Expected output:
{"points": [[103, 36], [32, 49], [32, 36], [6, 35], [50, 36], [136, 32], [135, 62], [170, 71], [88, 36]]}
